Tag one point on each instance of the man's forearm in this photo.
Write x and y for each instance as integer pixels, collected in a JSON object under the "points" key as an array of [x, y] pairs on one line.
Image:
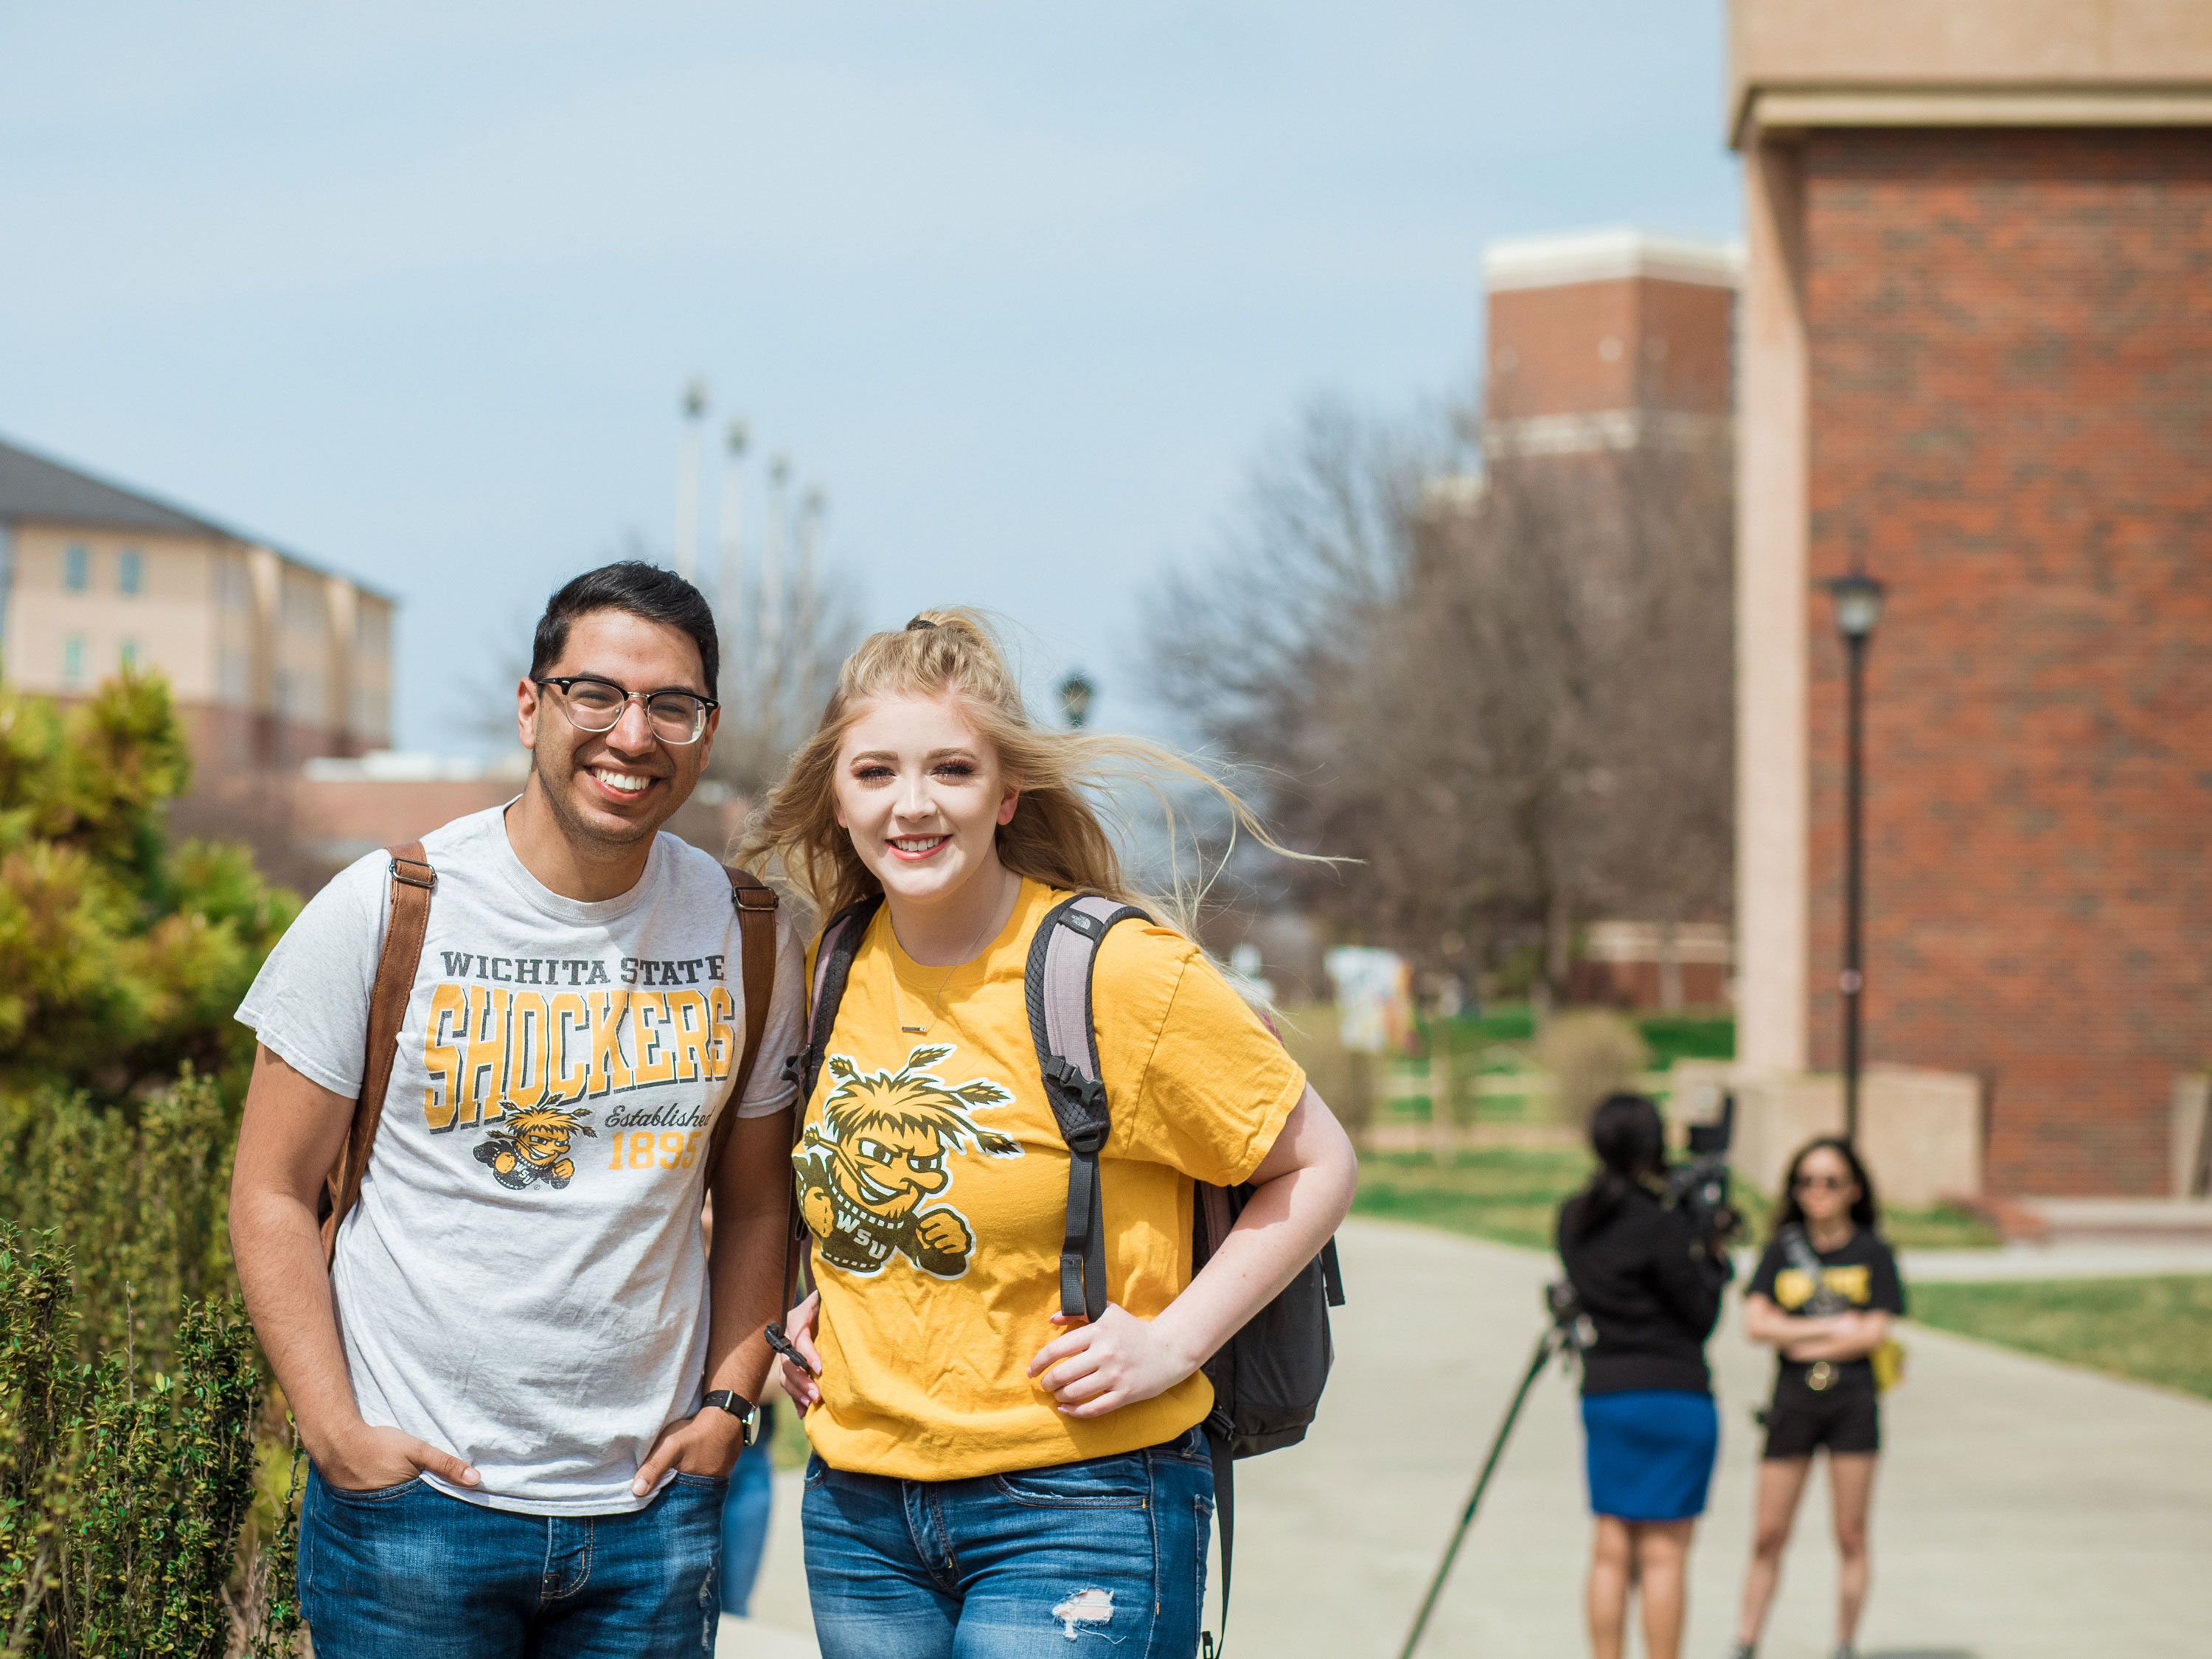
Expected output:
{"points": [[744, 1273], [745, 1266], [279, 1250]]}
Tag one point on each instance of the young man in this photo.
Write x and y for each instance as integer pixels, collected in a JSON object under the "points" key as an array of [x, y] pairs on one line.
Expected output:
{"points": [[511, 1381]]}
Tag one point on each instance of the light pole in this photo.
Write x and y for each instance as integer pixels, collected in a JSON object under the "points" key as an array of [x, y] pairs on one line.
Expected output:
{"points": [[687, 482], [1075, 694], [1857, 599]]}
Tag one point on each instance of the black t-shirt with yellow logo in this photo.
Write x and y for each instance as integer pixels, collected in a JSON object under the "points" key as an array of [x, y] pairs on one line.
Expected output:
{"points": [[1862, 1272]]}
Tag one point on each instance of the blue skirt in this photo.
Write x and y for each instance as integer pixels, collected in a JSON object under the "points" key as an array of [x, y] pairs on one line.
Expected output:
{"points": [[1650, 1452]]}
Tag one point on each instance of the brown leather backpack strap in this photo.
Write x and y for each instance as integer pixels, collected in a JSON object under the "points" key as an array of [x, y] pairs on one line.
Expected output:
{"points": [[412, 882], [755, 901]]}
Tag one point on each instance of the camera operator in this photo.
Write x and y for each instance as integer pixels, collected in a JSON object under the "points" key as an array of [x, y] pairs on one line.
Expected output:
{"points": [[1650, 1276]]}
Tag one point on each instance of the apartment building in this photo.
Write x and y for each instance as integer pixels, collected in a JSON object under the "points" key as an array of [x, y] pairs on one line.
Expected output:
{"points": [[273, 660]]}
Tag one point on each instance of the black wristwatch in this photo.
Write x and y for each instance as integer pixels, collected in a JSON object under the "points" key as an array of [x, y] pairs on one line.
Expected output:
{"points": [[737, 1405]]}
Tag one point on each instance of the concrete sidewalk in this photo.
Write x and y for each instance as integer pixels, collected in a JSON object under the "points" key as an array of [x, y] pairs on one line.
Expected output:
{"points": [[2024, 1508]]}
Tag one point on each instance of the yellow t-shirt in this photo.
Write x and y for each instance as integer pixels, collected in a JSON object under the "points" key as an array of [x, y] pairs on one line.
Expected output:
{"points": [[935, 1179]]}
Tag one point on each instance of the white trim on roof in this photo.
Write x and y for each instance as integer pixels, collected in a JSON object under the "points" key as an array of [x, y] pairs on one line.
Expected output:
{"points": [[1609, 255]]}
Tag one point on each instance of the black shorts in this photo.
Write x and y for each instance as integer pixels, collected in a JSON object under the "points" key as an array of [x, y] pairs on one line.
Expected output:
{"points": [[1844, 1419]]}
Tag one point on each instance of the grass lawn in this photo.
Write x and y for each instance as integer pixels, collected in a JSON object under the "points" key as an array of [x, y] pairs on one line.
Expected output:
{"points": [[2156, 1330], [1501, 1193], [1513, 1195]]}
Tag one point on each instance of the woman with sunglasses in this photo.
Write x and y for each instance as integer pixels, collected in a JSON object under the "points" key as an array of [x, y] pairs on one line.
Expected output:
{"points": [[1823, 1298]]}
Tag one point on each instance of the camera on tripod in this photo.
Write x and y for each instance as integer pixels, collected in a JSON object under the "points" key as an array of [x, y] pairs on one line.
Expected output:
{"points": [[1699, 1186]]}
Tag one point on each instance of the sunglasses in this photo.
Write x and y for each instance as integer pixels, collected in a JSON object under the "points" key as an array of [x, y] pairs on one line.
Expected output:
{"points": [[1821, 1183]]}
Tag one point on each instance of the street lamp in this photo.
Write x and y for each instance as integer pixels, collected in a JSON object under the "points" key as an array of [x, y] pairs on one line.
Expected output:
{"points": [[1075, 697], [1858, 599]]}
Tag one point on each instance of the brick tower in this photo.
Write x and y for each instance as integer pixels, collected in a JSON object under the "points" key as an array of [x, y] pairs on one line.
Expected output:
{"points": [[1977, 364]]}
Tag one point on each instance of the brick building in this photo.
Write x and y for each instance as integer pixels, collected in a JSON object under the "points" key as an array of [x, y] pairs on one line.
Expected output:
{"points": [[1601, 343], [1977, 364], [1602, 339]]}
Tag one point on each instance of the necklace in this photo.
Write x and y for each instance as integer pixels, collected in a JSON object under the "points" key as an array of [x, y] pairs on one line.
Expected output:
{"points": [[898, 991]]}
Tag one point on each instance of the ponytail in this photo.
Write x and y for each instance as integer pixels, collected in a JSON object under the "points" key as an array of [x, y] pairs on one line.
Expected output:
{"points": [[1630, 1140]]}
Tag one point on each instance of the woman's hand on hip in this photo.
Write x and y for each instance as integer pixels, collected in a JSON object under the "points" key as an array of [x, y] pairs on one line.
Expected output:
{"points": [[1094, 1368], [798, 1326]]}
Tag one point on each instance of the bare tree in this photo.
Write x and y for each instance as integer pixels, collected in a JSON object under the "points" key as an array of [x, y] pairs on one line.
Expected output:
{"points": [[784, 635], [1507, 698]]}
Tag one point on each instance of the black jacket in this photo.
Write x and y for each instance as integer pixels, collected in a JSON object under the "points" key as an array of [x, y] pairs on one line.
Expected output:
{"points": [[1651, 1289]]}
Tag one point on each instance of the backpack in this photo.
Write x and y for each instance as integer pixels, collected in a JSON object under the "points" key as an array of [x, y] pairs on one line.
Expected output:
{"points": [[413, 881], [1267, 1378]]}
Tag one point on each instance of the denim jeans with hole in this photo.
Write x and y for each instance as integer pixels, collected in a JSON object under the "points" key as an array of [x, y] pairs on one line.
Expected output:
{"points": [[1110, 1554], [406, 1573]]}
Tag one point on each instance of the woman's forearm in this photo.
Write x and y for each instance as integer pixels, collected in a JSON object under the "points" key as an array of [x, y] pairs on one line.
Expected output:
{"points": [[1844, 1336], [1284, 1225]]}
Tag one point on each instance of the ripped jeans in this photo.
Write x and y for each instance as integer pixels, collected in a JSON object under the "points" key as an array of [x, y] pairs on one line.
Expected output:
{"points": [[1106, 1556]]}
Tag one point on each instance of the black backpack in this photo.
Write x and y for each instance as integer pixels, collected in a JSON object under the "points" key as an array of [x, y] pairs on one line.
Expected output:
{"points": [[1267, 1378]]}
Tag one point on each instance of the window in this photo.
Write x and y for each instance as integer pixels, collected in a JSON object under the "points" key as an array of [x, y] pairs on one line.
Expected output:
{"points": [[128, 656], [234, 674], [233, 589], [77, 567], [303, 608], [73, 660], [127, 568], [372, 629]]}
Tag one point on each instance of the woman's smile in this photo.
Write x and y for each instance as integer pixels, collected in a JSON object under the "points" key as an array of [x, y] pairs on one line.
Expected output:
{"points": [[913, 849]]}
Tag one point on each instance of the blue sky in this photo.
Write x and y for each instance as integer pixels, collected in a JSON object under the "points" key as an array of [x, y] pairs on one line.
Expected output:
{"points": [[412, 287]]}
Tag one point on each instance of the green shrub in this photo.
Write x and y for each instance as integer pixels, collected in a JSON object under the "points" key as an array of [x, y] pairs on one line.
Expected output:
{"points": [[120, 961], [124, 1489], [139, 1199]]}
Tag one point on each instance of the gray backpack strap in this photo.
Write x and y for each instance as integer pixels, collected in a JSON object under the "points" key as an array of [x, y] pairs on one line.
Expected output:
{"points": [[1062, 957]]}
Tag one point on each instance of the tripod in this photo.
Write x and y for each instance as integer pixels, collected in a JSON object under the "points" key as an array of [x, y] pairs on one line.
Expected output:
{"points": [[1567, 1335]]}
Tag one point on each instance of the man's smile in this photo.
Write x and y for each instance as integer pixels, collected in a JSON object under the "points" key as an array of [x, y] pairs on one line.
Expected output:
{"points": [[623, 786]]}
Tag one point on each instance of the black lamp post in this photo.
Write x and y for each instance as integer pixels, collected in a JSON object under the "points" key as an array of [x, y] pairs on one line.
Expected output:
{"points": [[1858, 599], [1075, 697]]}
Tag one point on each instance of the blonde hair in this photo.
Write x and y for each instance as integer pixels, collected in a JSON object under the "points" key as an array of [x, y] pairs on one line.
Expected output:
{"points": [[1059, 834]]}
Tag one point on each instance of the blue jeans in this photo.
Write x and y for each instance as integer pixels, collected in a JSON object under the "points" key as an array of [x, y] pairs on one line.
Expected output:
{"points": [[744, 1525], [1110, 1554], [406, 1573]]}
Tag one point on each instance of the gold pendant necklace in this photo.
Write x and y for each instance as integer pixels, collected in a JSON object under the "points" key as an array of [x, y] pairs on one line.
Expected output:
{"points": [[898, 991]]}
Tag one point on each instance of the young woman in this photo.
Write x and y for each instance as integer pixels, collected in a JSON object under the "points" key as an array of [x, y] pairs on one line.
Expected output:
{"points": [[1823, 1298], [987, 1475], [1651, 1287]]}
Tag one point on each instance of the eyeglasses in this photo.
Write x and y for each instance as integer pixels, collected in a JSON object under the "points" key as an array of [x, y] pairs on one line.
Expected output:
{"points": [[596, 705], [1821, 1183]]}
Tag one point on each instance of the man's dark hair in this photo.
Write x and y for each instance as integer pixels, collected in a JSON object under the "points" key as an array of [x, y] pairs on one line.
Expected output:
{"points": [[643, 590]]}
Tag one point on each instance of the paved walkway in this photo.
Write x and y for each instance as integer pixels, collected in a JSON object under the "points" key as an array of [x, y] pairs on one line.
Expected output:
{"points": [[2025, 1509]]}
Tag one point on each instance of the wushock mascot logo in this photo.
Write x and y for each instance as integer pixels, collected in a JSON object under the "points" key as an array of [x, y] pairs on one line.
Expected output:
{"points": [[530, 1145], [867, 1171]]}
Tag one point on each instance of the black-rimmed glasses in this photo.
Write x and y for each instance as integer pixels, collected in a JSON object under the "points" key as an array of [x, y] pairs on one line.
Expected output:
{"points": [[596, 705]]}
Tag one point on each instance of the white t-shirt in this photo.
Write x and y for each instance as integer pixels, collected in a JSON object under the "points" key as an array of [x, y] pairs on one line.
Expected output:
{"points": [[524, 1282]]}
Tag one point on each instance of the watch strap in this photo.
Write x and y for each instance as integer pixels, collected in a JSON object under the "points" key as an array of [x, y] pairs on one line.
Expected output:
{"points": [[737, 1405]]}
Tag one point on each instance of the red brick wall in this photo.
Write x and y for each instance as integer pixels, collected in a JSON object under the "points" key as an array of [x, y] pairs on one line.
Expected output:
{"points": [[2010, 343], [1545, 357]]}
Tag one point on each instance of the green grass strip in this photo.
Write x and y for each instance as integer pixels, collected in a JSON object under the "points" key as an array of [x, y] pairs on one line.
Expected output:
{"points": [[2155, 1330]]}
